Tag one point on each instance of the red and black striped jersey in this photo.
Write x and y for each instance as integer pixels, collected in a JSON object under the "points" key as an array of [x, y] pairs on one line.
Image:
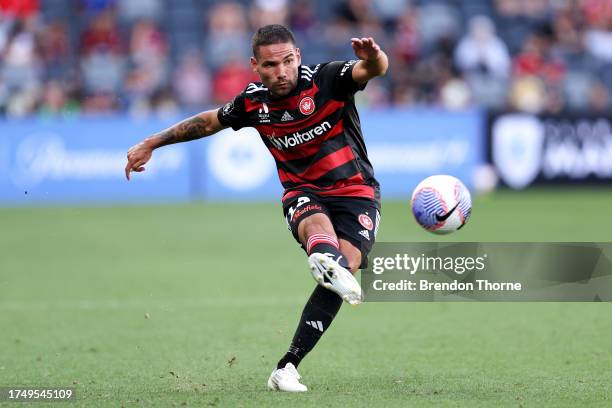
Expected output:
{"points": [[313, 133]]}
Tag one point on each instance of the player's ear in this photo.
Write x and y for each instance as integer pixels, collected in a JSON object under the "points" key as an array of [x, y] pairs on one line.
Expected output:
{"points": [[298, 56], [254, 64]]}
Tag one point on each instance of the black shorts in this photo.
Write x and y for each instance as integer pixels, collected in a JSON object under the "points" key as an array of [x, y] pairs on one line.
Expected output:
{"points": [[354, 219]]}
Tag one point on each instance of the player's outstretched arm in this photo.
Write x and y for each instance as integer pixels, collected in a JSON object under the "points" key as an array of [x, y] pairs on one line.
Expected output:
{"points": [[195, 127], [372, 62]]}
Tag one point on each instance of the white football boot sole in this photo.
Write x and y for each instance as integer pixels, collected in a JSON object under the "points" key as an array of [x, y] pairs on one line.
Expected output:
{"points": [[329, 274], [286, 379]]}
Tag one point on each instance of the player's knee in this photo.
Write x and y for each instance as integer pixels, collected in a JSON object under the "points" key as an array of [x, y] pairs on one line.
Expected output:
{"points": [[352, 254], [315, 224], [354, 264]]}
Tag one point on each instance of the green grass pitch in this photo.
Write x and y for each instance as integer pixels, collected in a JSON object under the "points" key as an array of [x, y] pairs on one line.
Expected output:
{"points": [[192, 305]]}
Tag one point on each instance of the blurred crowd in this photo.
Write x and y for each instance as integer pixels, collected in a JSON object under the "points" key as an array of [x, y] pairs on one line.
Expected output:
{"points": [[143, 57]]}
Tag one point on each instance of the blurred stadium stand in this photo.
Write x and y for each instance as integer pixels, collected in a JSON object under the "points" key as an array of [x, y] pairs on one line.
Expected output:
{"points": [[496, 92], [160, 57]]}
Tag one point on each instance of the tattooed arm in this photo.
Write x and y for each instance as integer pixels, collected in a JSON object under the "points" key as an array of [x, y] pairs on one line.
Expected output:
{"points": [[196, 127]]}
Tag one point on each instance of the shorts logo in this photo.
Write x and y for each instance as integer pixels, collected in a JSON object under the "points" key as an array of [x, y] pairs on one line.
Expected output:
{"points": [[295, 214], [366, 222], [365, 234], [307, 105]]}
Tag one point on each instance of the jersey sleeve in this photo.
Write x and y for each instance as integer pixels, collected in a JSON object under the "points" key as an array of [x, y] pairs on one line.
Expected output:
{"points": [[233, 113], [338, 77]]}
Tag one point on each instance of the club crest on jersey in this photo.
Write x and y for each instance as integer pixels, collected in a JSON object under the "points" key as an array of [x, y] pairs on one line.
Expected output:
{"points": [[366, 222], [307, 105], [264, 114]]}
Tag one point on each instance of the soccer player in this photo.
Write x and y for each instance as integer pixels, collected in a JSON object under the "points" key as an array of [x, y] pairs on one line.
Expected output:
{"points": [[306, 117]]}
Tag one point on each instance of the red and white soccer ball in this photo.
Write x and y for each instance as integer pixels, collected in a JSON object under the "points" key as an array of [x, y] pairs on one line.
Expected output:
{"points": [[441, 204]]}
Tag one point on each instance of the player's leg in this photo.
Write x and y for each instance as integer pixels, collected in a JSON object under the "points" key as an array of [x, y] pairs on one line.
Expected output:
{"points": [[329, 266], [316, 234], [356, 223], [352, 253], [308, 219], [318, 313]]}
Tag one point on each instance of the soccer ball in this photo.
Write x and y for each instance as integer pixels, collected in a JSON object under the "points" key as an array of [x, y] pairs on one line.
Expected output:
{"points": [[441, 204]]}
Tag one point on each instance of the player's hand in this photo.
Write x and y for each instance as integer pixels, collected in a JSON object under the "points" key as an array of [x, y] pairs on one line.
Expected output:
{"points": [[365, 48], [137, 157]]}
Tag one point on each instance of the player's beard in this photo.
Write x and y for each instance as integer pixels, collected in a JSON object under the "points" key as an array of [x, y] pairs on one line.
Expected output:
{"points": [[282, 91]]}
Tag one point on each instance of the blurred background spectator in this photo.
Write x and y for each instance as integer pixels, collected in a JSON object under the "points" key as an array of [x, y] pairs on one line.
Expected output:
{"points": [[484, 60], [143, 57], [228, 35], [192, 82]]}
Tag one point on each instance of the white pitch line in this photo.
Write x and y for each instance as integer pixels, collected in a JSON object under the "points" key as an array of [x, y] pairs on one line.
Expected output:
{"points": [[147, 304]]}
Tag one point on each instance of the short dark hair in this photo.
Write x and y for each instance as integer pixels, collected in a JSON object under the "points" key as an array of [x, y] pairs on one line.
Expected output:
{"points": [[271, 34]]}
